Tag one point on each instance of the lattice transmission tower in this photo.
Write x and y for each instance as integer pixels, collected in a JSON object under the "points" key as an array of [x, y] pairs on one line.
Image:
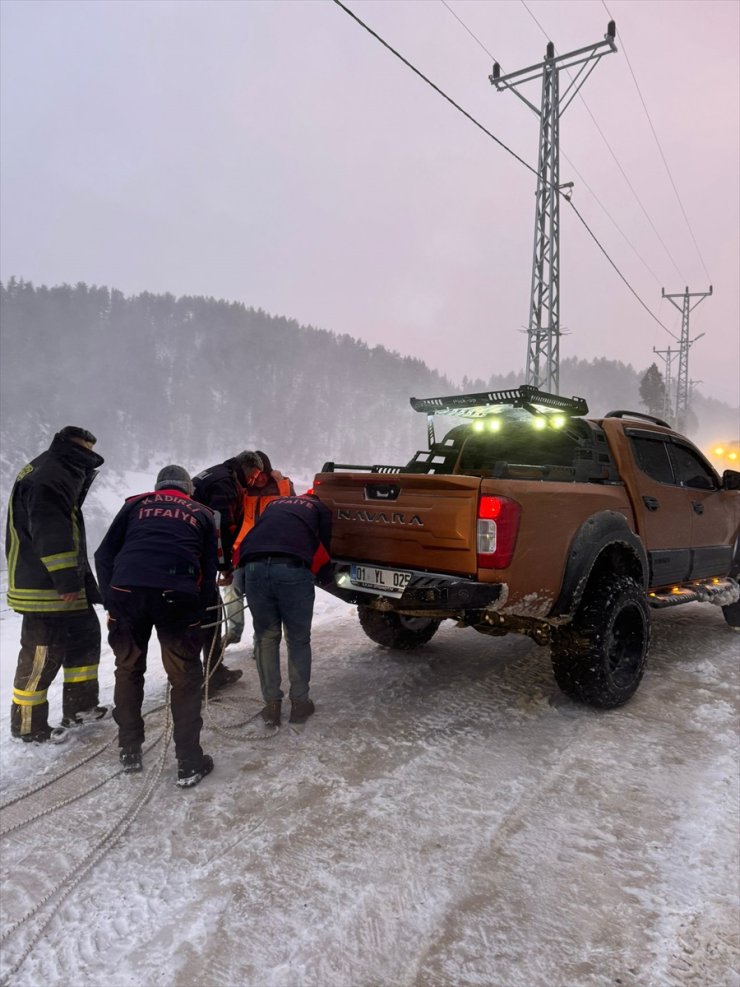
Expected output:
{"points": [[667, 356], [678, 421], [543, 333]]}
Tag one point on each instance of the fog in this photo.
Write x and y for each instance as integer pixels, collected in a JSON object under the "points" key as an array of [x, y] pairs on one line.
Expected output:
{"points": [[277, 155]]}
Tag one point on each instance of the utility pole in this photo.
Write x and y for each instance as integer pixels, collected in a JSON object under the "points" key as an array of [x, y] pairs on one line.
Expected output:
{"points": [[685, 344], [543, 334], [668, 356]]}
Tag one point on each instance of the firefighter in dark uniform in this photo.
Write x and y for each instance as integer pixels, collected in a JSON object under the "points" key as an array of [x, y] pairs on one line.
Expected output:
{"points": [[222, 488], [154, 565], [283, 554], [50, 582]]}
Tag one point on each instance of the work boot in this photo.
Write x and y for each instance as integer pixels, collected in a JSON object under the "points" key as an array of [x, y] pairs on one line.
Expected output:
{"points": [[232, 638], [270, 713], [38, 737], [130, 758], [84, 716], [222, 677], [189, 773], [300, 710]]}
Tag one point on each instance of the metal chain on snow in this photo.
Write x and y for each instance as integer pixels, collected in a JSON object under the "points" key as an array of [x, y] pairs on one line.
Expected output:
{"points": [[57, 777], [62, 774], [78, 795], [232, 729], [68, 883]]}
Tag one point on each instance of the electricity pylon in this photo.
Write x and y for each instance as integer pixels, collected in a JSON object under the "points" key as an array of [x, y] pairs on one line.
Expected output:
{"points": [[668, 356], [543, 334], [685, 344]]}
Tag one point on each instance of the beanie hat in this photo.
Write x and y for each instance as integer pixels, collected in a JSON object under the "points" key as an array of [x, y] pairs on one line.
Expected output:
{"points": [[266, 464], [72, 432], [174, 476]]}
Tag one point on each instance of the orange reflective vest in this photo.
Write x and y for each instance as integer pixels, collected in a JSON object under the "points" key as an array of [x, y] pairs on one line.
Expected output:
{"points": [[253, 508]]}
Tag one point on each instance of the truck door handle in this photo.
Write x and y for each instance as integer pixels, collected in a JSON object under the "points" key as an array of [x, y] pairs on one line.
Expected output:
{"points": [[382, 491], [651, 503], [698, 506]]}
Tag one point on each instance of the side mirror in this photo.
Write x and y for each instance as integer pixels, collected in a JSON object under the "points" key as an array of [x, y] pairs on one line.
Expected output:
{"points": [[731, 480]]}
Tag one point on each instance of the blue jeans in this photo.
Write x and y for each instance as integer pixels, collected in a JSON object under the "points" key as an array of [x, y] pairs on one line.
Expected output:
{"points": [[281, 595]]}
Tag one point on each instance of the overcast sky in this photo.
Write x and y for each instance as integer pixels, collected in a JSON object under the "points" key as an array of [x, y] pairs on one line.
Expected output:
{"points": [[276, 154]]}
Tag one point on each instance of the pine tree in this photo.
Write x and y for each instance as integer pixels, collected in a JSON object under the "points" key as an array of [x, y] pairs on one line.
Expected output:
{"points": [[652, 390]]}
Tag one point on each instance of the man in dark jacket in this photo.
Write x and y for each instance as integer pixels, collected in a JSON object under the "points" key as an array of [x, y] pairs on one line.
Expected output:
{"points": [[222, 488], [50, 582], [282, 553], [155, 565]]}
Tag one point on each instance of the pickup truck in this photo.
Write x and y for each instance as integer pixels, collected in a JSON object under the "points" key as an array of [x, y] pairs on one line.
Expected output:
{"points": [[530, 517]]}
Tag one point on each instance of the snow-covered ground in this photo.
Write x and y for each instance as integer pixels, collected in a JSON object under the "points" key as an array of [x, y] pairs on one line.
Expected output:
{"points": [[446, 818]]}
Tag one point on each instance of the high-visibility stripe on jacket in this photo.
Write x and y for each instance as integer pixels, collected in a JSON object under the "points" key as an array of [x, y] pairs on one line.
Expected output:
{"points": [[45, 535], [253, 508]]}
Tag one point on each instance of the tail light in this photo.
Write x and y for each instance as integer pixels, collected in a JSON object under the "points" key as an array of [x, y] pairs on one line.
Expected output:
{"points": [[498, 525]]}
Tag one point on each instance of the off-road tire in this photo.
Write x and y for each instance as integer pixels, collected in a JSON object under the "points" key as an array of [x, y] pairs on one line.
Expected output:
{"points": [[732, 614], [600, 658], [393, 630]]}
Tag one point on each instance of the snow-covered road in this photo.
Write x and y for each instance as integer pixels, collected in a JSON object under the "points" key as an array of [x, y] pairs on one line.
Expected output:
{"points": [[446, 818]]}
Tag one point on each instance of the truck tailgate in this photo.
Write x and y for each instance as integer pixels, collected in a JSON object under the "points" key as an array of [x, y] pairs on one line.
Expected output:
{"points": [[412, 520]]}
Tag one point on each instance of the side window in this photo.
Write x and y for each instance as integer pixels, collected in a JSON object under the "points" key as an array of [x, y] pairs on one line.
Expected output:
{"points": [[691, 470], [652, 458]]}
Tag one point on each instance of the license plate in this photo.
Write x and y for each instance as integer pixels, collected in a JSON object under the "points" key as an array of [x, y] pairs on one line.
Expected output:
{"points": [[388, 581]]}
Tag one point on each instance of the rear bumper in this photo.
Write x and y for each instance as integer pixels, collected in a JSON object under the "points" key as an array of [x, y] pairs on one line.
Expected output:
{"points": [[425, 591]]}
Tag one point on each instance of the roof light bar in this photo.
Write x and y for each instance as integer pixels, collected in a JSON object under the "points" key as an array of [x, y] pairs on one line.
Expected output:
{"points": [[479, 405]]}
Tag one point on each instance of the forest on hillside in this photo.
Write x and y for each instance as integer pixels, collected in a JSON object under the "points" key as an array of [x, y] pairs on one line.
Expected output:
{"points": [[195, 380]]}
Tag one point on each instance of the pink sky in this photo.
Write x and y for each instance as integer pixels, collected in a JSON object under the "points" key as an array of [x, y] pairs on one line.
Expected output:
{"points": [[276, 154]]}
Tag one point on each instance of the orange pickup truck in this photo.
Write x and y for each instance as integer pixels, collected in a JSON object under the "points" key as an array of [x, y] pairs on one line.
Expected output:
{"points": [[529, 517]]}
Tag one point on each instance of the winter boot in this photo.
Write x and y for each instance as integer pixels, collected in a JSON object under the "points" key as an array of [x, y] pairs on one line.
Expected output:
{"points": [[189, 773], [38, 737], [270, 713], [300, 710], [84, 716], [130, 758], [222, 677]]}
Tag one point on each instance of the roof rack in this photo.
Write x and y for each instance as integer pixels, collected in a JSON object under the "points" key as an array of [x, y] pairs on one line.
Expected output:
{"points": [[636, 414], [478, 405]]}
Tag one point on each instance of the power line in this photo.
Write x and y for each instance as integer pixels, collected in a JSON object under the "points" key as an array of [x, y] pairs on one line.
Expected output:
{"points": [[436, 88], [660, 149], [601, 248], [613, 221], [616, 159], [473, 36], [583, 181], [501, 144]]}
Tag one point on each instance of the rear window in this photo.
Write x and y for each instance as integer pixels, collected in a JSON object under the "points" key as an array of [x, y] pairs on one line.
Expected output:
{"points": [[513, 446], [518, 443]]}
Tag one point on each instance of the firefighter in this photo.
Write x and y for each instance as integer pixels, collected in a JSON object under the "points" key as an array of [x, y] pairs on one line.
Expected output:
{"points": [[282, 555], [268, 485], [50, 582], [222, 488], [155, 566]]}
